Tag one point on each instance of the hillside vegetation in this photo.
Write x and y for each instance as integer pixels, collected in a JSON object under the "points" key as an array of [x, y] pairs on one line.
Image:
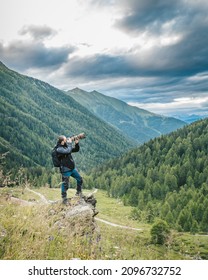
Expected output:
{"points": [[33, 114], [138, 124], [166, 177]]}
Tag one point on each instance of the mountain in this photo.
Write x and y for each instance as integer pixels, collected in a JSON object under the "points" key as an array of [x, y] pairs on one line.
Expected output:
{"points": [[166, 177], [191, 118], [138, 124], [34, 114]]}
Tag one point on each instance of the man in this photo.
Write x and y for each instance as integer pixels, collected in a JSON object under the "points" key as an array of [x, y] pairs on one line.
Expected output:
{"points": [[67, 169]]}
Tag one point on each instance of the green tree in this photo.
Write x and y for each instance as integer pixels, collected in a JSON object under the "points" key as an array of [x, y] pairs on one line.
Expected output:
{"points": [[194, 227], [204, 222], [133, 198], [159, 232], [171, 182]]}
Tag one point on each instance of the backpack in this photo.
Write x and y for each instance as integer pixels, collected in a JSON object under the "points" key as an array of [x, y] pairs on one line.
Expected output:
{"points": [[55, 158]]}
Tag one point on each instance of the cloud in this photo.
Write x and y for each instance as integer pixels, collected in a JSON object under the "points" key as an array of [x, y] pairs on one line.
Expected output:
{"points": [[175, 34], [25, 55], [176, 47], [99, 67], [147, 15], [32, 54], [146, 51], [180, 105], [101, 3], [179, 60], [38, 32], [168, 41]]}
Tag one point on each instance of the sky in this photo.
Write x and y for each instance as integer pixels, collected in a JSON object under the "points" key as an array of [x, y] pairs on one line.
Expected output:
{"points": [[149, 53]]}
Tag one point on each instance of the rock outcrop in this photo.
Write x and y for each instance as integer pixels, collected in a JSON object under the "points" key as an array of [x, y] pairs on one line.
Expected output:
{"points": [[76, 218]]}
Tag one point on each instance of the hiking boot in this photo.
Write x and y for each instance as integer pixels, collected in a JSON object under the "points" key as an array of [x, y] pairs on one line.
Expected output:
{"points": [[66, 201], [79, 194]]}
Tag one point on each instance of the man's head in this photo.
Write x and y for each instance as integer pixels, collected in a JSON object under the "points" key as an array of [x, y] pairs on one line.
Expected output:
{"points": [[62, 139]]}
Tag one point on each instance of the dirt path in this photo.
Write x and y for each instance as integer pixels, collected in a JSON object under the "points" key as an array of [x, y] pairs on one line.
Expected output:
{"points": [[42, 197], [45, 201], [116, 225]]}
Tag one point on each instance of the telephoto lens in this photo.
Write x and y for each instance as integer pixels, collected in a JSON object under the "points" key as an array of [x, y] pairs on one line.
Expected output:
{"points": [[78, 137]]}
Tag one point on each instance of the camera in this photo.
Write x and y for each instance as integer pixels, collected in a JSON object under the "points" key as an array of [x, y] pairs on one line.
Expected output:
{"points": [[78, 137]]}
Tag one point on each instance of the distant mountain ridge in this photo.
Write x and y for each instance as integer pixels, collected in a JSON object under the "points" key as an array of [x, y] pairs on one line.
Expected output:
{"points": [[191, 118], [138, 124], [33, 114]]}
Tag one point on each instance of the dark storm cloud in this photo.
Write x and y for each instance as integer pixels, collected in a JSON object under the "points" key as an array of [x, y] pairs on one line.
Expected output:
{"points": [[33, 53], [147, 15], [28, 55], [99, 66], [186, 57], [166, 58], [117, 77], [38, 32], [183, 58], [191, 53], [165, 90]]}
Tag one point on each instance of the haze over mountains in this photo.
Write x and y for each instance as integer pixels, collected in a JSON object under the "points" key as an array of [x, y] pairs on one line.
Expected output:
{"points": [[191, 118], [138, 124]]}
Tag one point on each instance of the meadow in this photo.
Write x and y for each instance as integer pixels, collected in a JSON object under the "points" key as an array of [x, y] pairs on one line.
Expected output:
{"points": [[26, 231]]}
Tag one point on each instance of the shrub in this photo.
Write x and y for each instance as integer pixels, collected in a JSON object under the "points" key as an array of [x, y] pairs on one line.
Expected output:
{"points": [[159, 232]]}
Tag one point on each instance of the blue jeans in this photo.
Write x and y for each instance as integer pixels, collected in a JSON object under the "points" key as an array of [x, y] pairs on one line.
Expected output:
{"points": [[65, 181]]}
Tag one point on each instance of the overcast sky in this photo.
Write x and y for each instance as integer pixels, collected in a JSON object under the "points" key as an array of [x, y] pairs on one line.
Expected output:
{"points": [[148, 53]]}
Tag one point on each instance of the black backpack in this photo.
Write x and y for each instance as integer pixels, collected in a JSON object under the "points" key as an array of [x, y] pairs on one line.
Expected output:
{"points": [[56, 159]]}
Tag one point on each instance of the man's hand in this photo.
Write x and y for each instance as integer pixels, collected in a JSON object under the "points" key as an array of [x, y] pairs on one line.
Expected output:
{"points": [[76, 141], [69, 140]]}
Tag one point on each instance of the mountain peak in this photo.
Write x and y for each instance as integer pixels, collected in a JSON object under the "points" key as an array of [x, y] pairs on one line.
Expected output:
{"points": [[138, 124], [95, 91], [76, 88]]}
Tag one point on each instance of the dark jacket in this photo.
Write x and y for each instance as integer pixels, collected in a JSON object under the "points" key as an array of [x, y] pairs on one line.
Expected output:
{"points": [[64, 153]]}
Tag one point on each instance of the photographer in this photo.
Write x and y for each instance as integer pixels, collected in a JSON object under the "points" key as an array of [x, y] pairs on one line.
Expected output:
{"points": [[67, 168]]}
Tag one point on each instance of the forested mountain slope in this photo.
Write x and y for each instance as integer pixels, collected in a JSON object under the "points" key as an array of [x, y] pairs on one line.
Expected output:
{"points": [[138, 124], [33, 114], [166, 177]]}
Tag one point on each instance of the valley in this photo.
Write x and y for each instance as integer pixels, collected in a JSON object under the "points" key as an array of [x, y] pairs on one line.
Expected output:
{"points": [[147, 169]]}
